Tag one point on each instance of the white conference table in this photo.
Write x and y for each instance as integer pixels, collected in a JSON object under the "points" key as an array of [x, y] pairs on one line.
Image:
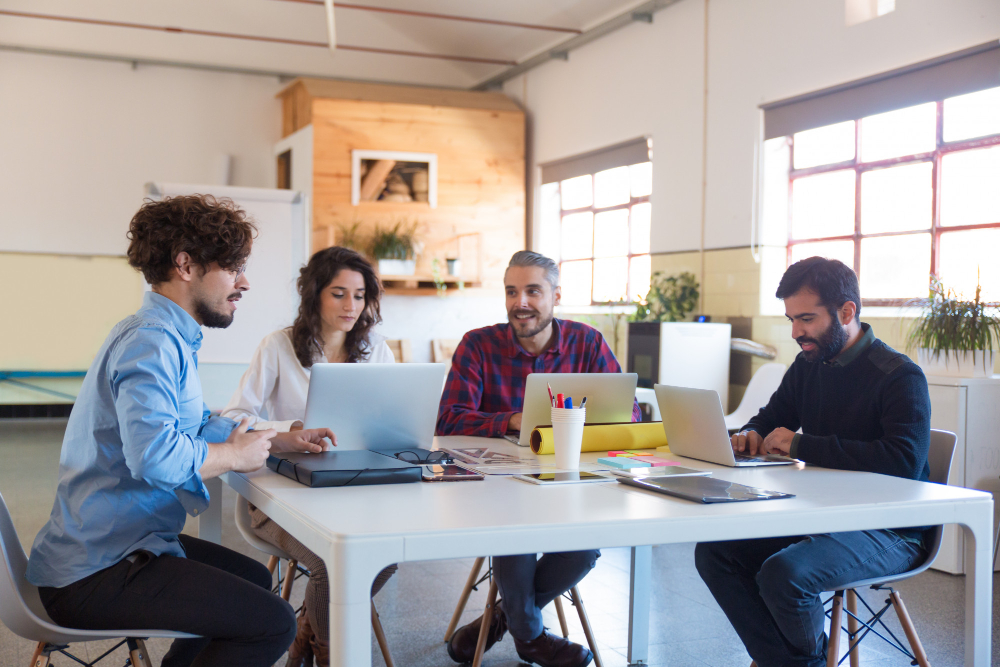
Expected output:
{"points": [[360, 530]]}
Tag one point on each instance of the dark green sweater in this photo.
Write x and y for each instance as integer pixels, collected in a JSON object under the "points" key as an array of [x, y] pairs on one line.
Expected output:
{"points": [[866, 410]]}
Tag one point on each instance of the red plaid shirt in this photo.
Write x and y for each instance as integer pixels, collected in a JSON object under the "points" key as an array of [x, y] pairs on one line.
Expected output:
{"points": [[486, 384]]}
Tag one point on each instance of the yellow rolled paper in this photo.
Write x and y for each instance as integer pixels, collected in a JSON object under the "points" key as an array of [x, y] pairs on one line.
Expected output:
{"points": [[606, 437]]}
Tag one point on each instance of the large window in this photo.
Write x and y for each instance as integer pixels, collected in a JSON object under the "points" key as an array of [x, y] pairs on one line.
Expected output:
{"points": [[902, 195], [597, 226]]}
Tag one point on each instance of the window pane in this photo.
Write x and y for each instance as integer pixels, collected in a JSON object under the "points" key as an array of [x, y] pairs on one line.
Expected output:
{"points": [[611, 233], [968, 256], [640, 227], [611, 187], [842, 250], [549, 207], [897, 199], [895, 267], [610, 279], [638, 277], [969, 187], [824, 145], [901, 132], [823, 205], [577, 235], [575, 282], [577, 192], [972, 115], [641, 177]]}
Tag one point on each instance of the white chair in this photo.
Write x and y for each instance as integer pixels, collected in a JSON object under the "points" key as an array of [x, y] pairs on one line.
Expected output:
{"points": [[22, 612], [763, 383], [648, 397]]}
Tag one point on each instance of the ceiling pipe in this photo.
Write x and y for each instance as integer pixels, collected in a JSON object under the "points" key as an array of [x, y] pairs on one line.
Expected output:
{"points": [[331, 26], [642, 13]]}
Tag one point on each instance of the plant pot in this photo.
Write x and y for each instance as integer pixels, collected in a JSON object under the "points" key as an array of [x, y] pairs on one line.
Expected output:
{"points": [[454, 266], [956, 363], [397, 267]]}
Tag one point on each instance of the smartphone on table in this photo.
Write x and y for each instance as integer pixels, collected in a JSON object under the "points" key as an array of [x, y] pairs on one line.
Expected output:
{"points": [[549, 478], [436, 472]]}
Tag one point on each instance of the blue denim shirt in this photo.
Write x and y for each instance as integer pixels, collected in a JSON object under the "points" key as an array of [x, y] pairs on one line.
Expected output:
{"points": [[135, 441]]}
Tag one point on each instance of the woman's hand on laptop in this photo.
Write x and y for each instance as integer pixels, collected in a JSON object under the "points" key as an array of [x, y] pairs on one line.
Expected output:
{"points": [[748, 442], [313, 440]]}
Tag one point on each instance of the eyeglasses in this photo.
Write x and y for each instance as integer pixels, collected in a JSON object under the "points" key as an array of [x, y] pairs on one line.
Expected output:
{"points": [[423, 456]]}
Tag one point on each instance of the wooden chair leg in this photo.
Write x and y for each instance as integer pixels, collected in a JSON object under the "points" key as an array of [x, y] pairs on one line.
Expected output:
{"points": [[138, 654], [852, 626], [272, 563], [585, 622], [562, 617], [484, 629], [383, 644], [464, 598], [833, 651], [911, 632], [40, 658], [286, 588]]}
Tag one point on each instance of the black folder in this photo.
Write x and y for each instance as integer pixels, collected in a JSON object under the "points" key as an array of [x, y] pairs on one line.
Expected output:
{"points": [[352, 468]]}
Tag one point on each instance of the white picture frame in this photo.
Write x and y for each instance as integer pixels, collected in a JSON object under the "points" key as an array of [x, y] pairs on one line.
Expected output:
{"points": [[399, 156]]}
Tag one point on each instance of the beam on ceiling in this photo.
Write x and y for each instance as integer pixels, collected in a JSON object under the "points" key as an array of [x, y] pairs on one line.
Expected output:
{"points": [[642, 13]]}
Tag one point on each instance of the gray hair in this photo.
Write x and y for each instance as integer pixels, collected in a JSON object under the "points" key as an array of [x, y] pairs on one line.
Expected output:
{"points": [[529, 258]]}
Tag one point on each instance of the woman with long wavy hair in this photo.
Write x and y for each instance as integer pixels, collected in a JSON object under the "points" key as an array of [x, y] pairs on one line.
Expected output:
{"points": [[339, 304]]}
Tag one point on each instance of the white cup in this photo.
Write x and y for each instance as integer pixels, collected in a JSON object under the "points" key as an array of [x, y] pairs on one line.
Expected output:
{"points": [[567, 436]]}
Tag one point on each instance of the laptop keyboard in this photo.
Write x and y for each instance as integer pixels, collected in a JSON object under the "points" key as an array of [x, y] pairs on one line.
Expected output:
{"points": [[745, 459]]}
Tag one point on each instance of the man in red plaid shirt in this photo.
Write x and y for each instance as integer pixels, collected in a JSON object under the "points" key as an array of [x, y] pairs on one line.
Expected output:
{"points": [[484, 396]]}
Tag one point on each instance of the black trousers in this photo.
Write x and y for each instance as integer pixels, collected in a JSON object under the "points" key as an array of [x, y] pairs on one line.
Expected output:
{"points": [[215, 592]]}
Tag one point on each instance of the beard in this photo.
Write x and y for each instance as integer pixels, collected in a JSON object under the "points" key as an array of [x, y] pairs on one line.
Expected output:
{"points": [[522, 329], [212, 318], [828, 345]]}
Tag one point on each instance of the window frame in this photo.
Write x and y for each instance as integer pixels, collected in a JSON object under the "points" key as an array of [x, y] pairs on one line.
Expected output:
{"points": [[941, 148], [633, 200]]}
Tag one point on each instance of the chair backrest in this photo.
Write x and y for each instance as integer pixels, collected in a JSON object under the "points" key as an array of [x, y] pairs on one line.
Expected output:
{"points": [[647, 396], [443, 349], [401, 350], [246, 530], [21, 609], [762, 385], [939, 459]]}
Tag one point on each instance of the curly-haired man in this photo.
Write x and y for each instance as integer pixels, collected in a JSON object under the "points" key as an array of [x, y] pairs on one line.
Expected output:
{"points": [[139, 445]]}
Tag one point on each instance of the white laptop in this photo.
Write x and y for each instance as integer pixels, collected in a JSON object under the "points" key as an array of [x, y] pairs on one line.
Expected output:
{"points": [[695, 426], [376, 406], [609, 398]]}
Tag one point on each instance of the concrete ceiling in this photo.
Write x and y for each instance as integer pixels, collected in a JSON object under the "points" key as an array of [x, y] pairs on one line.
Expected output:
{"points": [[465, 52]]}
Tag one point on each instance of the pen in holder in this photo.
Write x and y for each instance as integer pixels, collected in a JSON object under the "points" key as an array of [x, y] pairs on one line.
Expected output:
{"points": [[567, 436]]}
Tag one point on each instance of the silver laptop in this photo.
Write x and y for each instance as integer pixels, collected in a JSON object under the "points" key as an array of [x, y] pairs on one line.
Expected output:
{"points": [[376, 406], [695, 426], [609, 398]]}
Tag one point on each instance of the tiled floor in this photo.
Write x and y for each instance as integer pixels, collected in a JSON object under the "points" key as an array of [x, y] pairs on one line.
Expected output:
{"points": [[687, 628]]}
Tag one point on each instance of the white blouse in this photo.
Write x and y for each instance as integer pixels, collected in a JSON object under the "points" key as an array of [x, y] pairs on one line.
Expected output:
{"points": [[272, 393]]}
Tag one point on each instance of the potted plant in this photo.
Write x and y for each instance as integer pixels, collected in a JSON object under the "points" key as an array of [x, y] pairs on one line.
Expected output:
{"points": [[670, 298], [394, 249], [954, 337]]}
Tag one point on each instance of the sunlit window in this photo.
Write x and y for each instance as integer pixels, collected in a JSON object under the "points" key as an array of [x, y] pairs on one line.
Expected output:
{"points": [[598, 226], [902, 195]]}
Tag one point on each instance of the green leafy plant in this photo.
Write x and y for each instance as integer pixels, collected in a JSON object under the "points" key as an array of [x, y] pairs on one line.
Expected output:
{"points": [[396, 242], [351, 236], [670, 298], [951, 323]]}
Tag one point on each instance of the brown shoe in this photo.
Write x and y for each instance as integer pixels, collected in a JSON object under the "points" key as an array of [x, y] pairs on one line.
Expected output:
{"points": [[462, 645], [300, 653], [549, 650], [320, 650]]}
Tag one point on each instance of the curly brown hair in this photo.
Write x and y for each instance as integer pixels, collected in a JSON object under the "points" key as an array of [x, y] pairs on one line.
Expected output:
{"points": [[208, 229], [307, 331]]}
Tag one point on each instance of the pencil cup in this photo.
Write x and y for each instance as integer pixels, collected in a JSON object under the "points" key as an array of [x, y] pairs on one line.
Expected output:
{"points": [[567, 436]]}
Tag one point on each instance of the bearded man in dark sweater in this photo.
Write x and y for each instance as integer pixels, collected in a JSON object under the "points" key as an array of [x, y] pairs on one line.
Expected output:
{"points": [[861, 406]]}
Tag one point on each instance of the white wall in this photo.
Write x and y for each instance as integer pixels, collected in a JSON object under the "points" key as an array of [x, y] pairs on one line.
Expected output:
{"points": [[648, 79], [423, 318], [79, 138]]}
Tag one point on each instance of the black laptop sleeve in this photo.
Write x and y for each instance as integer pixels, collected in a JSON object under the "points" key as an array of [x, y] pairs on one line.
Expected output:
{"points": [[354, 468]]}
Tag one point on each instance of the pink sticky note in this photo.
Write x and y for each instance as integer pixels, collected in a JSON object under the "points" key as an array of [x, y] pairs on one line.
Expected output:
{"points": [[619, 452], [655, 462]]}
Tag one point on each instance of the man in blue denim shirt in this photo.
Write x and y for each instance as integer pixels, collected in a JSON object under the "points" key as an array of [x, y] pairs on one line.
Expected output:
{"points": [[138, 447]]}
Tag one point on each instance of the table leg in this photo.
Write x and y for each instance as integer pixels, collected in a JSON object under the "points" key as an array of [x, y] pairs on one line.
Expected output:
{"points": [[638, 609], [210, 521], [978, 586]]}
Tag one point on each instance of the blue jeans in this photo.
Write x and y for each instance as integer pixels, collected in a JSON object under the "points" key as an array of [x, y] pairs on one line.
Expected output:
{"points": [[770, 588], [527, 583]]}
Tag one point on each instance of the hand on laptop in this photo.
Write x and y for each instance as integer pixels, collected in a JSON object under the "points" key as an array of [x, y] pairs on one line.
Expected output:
{"points": [[778, 441], [748, 442], [514, 424], [312, 440]]}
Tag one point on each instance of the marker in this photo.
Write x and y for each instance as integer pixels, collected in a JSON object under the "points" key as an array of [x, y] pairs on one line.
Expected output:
{"points": [[560, 399], [584, 402], [569, 402], [552, 400]]}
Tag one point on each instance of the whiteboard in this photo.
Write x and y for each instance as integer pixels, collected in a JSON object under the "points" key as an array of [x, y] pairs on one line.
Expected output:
{"points": [[279, 251]]}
